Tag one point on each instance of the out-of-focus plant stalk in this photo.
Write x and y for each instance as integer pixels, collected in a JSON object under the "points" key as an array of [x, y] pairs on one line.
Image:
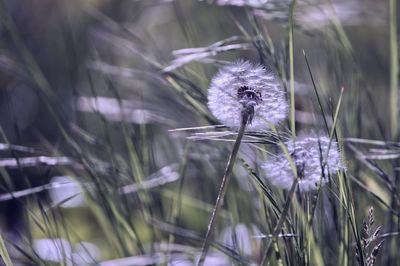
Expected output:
{"points": [[394, 70], [291, 70]]}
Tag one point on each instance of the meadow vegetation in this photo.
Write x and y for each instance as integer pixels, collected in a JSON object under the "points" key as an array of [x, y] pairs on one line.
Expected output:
{"points": [[120, 119]]}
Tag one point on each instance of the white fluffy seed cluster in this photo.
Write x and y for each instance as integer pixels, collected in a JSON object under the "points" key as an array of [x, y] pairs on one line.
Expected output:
{"points": [[242, 83], [308, 154]]}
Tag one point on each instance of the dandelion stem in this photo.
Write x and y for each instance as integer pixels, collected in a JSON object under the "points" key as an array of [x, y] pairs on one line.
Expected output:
{"points": [[223, 188]]}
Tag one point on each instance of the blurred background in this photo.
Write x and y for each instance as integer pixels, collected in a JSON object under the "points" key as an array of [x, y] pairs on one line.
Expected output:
{"points": [[110, 156]]}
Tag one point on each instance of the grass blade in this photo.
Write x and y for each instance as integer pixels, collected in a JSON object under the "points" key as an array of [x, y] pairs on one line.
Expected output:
{"points": [[4, 253]]}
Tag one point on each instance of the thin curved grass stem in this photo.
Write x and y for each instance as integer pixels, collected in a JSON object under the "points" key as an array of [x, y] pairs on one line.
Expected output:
{"points": [[222, 189], [279, 225]]}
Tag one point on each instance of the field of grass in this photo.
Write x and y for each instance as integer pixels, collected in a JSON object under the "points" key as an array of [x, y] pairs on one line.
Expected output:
{"points": [[110, 154]]}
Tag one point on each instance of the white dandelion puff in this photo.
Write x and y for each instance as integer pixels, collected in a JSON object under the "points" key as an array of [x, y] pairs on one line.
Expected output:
{"points": [[310, 155], [242, 95], [246, 88]]}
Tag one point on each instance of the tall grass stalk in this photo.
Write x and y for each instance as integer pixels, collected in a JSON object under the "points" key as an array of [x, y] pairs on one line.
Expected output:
{"points": [[291, 70], [176, 204], [316, 92], [394, 70], [344, 223], [278, 226], [394, 93], [4, 253], [223, 188], [331, 14], [285, 210]]}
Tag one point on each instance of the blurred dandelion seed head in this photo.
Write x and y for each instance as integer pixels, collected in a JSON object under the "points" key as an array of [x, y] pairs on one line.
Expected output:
{"points": [[246, 88], [308, 154]]}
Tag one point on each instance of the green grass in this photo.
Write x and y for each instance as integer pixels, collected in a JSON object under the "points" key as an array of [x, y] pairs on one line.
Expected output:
{"points": [[154, 60]]}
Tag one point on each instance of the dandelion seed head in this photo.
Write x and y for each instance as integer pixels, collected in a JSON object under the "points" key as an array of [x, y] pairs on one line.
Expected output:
{"points": [[246, 88], [308, 154]]}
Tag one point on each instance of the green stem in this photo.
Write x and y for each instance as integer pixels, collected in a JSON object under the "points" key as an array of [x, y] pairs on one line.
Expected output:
{"points": [[394, 69], [279, 225], [222, 189], [291, 70]]}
